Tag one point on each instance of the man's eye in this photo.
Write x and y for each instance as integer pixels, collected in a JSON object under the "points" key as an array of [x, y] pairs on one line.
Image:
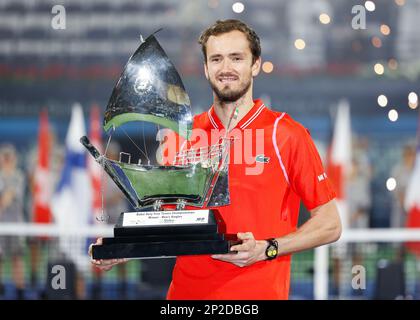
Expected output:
{"points": [[237, 59], [215, 60]]}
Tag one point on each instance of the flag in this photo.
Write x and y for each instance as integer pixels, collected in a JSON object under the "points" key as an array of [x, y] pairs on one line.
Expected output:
{"points": [[412, 197], [42, 179], [71, 203], [95, 170], [339, 158]]}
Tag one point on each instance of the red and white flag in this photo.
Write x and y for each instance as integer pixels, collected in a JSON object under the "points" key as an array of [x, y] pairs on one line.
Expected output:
{"points": [[42, 179], [412, 197], [95, 170], [339, 158]]}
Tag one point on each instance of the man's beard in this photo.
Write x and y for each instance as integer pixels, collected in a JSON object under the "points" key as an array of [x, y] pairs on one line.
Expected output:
{"points": [[230, 95]]}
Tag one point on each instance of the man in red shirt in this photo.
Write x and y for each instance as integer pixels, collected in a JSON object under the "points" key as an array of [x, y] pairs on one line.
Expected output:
{"points": [[273, 166]]}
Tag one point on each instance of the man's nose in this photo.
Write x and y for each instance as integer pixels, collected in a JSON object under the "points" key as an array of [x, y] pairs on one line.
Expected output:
{"points": [[226, 65]]}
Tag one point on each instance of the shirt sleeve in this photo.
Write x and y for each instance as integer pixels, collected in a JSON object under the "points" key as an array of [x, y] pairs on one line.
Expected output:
{"points": [[306, 174]]}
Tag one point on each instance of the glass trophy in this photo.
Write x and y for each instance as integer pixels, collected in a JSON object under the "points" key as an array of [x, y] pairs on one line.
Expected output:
{"points": [[171, 215]]}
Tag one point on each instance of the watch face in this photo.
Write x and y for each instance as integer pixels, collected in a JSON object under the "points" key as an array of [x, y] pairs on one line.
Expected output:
{"points": [[271, 251]]}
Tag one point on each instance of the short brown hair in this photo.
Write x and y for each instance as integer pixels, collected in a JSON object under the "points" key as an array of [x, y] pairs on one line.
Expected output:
{"points": [[225, 26]]}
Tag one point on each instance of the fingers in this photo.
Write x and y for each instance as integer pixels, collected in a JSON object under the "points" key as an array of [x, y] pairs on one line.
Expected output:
{"points": [[106, 268], [246, 253], [231, 257], [104, 264], [247, 245], [107, 264], [98, 242], [240, 259], [224, 257], [248, 242], [245, 235]]}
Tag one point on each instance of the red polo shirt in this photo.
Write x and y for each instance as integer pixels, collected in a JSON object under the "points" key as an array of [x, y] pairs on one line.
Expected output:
{"points": [[273, 165]]}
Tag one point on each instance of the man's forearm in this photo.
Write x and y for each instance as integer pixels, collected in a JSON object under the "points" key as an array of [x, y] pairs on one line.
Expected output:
{"points": [[323, 227]]}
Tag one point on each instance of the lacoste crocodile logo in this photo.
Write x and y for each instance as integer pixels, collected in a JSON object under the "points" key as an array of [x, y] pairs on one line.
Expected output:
{"points": [[262, 158]]}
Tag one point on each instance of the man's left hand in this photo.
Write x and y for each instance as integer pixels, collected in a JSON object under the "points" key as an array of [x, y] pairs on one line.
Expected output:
{"points": [[249, 251]]}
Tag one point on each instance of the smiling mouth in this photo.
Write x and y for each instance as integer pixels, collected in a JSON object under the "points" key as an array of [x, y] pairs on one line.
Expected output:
{"points": [[227, 79]]}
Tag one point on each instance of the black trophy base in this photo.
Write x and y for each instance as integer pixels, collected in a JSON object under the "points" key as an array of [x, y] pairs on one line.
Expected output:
{"points": [[159, 249], [164, 241]]}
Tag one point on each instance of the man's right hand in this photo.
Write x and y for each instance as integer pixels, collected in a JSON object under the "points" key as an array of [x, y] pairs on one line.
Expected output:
{"points": [[106, 264]]}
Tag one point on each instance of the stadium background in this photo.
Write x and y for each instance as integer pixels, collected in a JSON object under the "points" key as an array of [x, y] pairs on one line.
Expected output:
{"points": [[42, 68]]}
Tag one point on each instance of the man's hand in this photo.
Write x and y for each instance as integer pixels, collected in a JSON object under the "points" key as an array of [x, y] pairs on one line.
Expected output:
{"points": [[249, 251], [105, 265]]}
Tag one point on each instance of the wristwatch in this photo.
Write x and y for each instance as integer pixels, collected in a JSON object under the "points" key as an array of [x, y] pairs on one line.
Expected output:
{"points": [[272, 249]]}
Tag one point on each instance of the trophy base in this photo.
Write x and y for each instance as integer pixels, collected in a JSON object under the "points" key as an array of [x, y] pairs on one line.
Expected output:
{"points": [[160, 249], [140, 241]]}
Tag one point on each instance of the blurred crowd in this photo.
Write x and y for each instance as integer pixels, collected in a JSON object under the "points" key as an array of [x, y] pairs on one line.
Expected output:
{"points": [[24, 254]]}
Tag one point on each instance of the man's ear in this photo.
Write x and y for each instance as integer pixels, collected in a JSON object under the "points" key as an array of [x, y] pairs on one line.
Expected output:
{"points": [[256, 67], [206, 71]]}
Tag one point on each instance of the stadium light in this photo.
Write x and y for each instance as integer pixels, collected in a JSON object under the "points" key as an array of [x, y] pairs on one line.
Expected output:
{"points": [[370, 6], [393, 115], [385, 29], [382, 100], [379, 68], [238, 7], [267, 67], [300, 44], [391, 184], [324, 18]]}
